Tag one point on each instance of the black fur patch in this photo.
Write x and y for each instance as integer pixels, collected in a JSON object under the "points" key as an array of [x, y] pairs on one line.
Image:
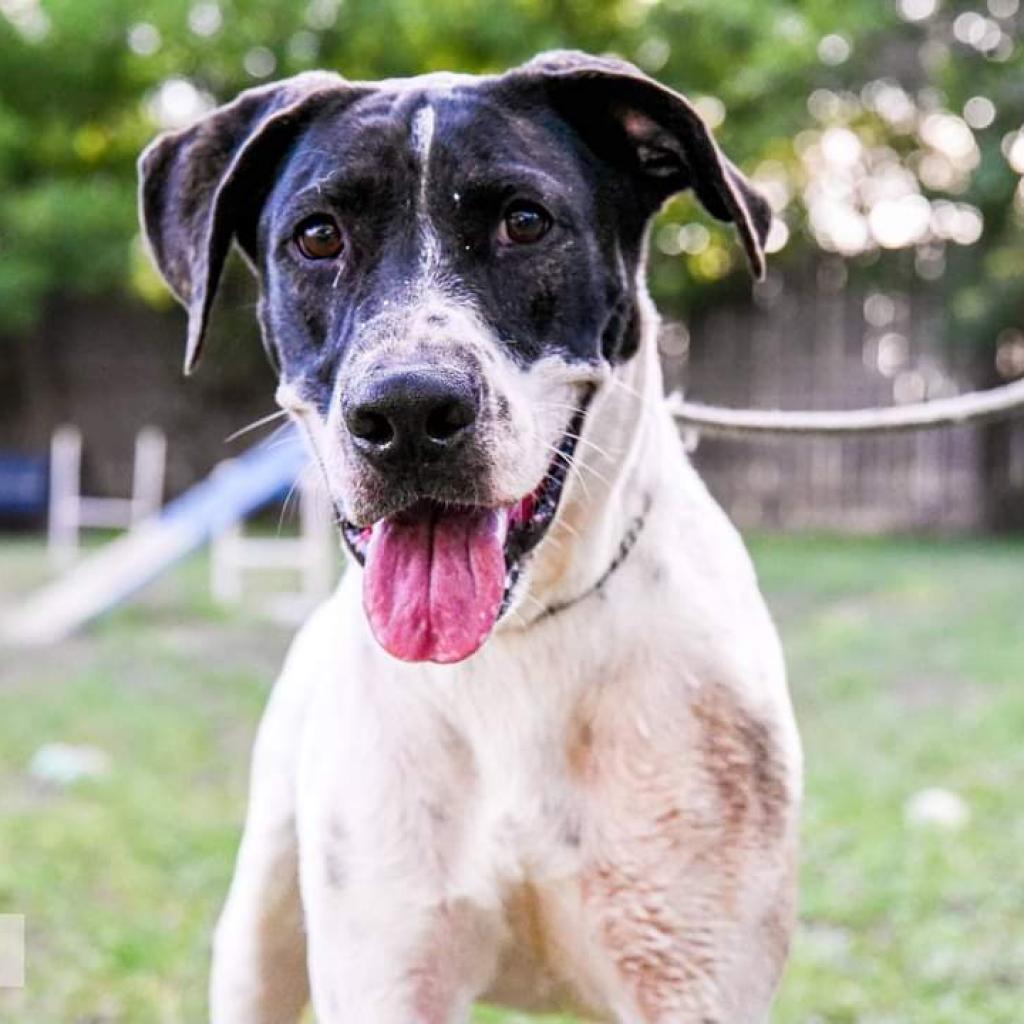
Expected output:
{"points": [[594, 141]]}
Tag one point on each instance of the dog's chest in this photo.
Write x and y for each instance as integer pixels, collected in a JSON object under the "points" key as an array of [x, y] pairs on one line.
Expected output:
{"points": [[573, 801], [524, 848], [525, 818]]}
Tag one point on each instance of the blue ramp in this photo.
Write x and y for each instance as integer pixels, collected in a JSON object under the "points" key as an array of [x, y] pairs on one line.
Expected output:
{"points": [[111, 575]]}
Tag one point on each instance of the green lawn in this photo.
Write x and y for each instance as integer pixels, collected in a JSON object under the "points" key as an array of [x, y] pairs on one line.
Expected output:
{"points": [[906, 661]]}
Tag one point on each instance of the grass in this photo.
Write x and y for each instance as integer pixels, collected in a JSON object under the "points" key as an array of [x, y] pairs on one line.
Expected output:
{"points": [[906, 661]]}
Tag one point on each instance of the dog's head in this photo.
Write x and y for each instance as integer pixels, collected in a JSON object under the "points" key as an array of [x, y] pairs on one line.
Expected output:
{"points": [[448, 265]]}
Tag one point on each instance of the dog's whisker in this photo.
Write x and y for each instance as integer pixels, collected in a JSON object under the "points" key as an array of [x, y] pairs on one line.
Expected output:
{"points": [[569, 529], [571, 466], [527, 596], [553, 541], [576, 467], [284, 508], [574, 409], [647, 408], [277, 440], [518, 616], [628, 388], [579, 467], [299, 481], [590, 444], [572, 463], [256, 424]]}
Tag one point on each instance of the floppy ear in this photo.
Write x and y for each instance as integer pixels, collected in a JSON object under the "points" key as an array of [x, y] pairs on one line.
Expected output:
{"points": [[634, 121], [202, 187]]}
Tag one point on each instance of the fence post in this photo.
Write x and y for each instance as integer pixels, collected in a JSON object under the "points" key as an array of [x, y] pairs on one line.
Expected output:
{"points": [[148, 473], [65, 487]]}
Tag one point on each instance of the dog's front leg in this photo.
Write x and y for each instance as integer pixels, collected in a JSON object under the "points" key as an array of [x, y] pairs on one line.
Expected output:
{"points": [[259, 965], [259, 957], [402, 925], [406, 965]]}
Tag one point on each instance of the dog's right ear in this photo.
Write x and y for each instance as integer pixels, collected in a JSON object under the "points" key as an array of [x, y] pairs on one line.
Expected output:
{"points": [[652, 131], [201, 187]]}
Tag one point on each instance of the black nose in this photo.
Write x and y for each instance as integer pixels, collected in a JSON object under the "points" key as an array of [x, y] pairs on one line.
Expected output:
{"points": [[411, 414]]}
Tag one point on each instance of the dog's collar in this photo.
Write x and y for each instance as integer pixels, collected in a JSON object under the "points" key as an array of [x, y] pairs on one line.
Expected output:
{"points": [[626, 545]]}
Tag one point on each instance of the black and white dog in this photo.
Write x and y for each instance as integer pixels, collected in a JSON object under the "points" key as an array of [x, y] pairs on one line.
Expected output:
{"points": [[538, 750]]}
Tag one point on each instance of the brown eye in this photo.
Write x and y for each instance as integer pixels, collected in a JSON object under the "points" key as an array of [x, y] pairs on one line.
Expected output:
{"points": [[524, 223], [319, 238]]}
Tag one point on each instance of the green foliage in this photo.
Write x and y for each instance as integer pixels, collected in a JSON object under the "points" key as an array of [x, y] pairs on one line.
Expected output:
{"points": [[81, 81]]}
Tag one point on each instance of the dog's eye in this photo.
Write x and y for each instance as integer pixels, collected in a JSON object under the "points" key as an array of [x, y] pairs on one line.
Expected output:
{"points": [[524, 223], [319, 238]]}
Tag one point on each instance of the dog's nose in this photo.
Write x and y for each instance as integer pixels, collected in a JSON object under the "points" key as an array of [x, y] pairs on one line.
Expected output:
{"points": [[415, 413]]}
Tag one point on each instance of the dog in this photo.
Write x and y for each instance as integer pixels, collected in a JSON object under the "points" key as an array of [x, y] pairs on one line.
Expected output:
{"points": [[538, 749]]}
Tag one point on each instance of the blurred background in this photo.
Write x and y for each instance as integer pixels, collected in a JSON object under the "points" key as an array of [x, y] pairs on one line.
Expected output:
{"points": [[887, 135]]}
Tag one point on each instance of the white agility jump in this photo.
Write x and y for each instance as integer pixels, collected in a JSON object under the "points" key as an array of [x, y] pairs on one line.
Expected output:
{"points": [[71, 511], [312, 554]]}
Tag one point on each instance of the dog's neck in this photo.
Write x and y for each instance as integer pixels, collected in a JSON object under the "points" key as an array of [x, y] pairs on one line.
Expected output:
{"points": [[613, 484]]}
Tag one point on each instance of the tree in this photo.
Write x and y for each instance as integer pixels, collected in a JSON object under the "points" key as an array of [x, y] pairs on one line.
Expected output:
{"points": [[887, 134]]}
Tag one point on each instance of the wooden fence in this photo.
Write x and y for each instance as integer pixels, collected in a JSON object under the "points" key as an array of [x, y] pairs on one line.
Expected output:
{"points": [[813, 341]]}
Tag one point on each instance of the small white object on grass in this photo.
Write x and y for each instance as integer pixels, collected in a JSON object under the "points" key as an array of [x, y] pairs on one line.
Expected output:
{"points": [[935, 807], [61, 764]]}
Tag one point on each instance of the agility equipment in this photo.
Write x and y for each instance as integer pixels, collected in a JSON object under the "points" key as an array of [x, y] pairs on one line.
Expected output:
{"points": [[102, 580]]}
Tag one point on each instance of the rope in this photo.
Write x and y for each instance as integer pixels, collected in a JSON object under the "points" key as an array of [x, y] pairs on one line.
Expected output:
{"points": [[973, 407]]}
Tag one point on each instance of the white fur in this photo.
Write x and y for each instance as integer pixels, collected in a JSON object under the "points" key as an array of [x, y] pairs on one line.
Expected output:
{"points": [[575, 816], [423, 124]]}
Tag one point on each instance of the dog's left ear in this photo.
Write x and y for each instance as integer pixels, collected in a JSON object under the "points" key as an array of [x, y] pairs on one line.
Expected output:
{"points": [[630, 119], [202, 187]]}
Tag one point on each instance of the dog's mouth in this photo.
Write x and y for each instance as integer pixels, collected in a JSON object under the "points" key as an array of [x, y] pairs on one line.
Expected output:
{"points": [[438, 576]]}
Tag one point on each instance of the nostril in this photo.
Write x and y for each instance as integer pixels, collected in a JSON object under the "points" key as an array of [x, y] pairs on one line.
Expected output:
{"points": [[398, 415], [448, 419], [373, 427]]}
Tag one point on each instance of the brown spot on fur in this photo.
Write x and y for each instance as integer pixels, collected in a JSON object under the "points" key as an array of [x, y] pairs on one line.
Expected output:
{"points": [[777, 923], [579, 747], [741, 759], [453, 939], [533, 922], [670, 885], [671, 965], [432, 979]]}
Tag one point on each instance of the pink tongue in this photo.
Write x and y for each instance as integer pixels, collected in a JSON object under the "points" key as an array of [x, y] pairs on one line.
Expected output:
{"points": [[434, 582]]}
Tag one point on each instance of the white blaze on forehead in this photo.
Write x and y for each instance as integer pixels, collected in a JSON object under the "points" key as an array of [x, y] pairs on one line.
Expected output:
{"points": [[421, 135]]}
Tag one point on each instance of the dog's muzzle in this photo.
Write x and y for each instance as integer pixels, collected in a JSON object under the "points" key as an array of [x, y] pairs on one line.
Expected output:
{"points": [[439, 574]]}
